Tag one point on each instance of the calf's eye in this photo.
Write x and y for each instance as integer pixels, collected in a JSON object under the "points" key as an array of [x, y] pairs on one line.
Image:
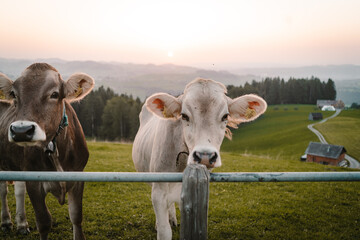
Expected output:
{"points": [[54, 95], [225, 117], [185, 117]]}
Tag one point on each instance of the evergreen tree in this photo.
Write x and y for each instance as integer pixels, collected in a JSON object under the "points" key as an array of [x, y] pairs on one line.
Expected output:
{"points": [[274, 91], [121, 118], [330, 92], [282, 93], [90, 110]]}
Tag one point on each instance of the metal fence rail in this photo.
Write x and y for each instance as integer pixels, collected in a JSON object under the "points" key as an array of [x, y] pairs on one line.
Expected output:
{"points": [[195, 187], [177, 177]]}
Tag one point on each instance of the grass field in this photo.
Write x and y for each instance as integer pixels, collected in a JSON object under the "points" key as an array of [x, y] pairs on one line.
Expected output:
{"points": [[280, 133], [237, 210], [343, 130]]}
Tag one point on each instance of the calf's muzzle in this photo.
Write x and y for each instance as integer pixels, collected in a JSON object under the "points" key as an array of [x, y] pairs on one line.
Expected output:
{"points": [[206, 158]]}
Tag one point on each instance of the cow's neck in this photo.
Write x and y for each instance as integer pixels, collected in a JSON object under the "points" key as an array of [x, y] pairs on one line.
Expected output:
{"points": [[52, 154], [51, 148]]}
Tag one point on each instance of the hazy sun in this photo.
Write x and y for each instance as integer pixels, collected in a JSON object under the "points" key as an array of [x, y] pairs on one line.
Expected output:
{"points": [[170, 54]]}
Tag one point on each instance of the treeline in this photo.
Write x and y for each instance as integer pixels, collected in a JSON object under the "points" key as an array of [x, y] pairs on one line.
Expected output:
{"points": [[106, 115], [355, 105], [294, 91]]}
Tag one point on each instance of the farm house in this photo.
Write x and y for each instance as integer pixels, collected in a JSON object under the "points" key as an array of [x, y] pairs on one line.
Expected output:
{"points": [[326, 154], [339, 104], [315, 116], [321, 103]]}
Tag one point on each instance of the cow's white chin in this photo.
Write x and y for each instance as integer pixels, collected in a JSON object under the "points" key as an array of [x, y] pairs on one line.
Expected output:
{"points": [[210, 167], [29, 144], [216, 165]]}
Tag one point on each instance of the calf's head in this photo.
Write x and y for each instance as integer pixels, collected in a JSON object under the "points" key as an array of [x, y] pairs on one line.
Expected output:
{"points": [[38, 99], [205, 112]]}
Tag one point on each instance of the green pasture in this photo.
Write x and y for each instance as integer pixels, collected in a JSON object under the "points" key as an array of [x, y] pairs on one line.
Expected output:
{"points": [[280, 133], [343, 130], [275, 142]]}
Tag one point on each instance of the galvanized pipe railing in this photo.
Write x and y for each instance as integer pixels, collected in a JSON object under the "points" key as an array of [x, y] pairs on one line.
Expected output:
{"points": [[195, 186], [177, 177]]}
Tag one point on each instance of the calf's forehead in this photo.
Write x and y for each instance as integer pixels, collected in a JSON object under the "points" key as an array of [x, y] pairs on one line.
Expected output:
{"points": [[207, 96]]}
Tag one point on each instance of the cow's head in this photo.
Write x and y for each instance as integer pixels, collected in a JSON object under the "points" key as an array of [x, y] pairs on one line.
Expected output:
{"points": [[38, 97], [205, 111]]}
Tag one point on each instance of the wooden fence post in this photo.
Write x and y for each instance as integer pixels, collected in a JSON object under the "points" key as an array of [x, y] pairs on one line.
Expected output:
{"points": [[194, 202]]}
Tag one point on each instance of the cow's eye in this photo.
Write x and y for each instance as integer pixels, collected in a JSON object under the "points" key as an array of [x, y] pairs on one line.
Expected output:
{"points": [[225, 117], [54, 95], [185, 117], [12, 94]]}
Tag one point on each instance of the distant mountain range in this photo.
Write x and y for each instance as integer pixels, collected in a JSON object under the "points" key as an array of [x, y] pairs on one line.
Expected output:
{"points": [[335, 72], [144, 79]]}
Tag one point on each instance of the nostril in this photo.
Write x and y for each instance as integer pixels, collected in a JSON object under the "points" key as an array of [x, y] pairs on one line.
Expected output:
{"points": [[12, 130], [197, 157], [213, 158], [30, 132]]}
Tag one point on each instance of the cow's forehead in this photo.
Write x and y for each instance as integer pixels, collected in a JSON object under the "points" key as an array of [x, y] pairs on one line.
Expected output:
{"points": [[31, 77], [200, 85], [204, 94]]}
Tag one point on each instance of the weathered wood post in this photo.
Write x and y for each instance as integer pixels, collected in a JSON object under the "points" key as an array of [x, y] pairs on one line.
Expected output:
{"points": [[194, 202]]}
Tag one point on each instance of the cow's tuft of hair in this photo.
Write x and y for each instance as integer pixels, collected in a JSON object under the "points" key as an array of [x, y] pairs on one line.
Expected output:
{"points": [[204, 82], [40, 67]]}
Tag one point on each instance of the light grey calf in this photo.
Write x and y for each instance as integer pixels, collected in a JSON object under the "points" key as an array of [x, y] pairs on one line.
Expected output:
{"points": [[188, 129]]}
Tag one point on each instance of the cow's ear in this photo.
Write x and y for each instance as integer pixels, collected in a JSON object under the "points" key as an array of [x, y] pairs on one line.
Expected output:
{"points": [[78, 86], [5, 87], [164, 105], [246, 108]]}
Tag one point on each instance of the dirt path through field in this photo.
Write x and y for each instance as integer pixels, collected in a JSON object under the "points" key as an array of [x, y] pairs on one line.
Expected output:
{"points": [[353, 163]]}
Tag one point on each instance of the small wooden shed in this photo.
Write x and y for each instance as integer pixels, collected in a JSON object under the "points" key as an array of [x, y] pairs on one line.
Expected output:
{"points": [[315, 116], [326, 154]]}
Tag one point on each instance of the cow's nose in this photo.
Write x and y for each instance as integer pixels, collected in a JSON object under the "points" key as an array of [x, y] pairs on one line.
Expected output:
{"points": [[22, 133], [206, 158]]}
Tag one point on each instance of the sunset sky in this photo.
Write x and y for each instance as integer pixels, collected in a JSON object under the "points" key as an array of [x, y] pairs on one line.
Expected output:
{"points": [[210, 34]]}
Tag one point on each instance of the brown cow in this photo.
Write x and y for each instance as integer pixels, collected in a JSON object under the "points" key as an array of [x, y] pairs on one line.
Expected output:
{"points": [[39, 131]]}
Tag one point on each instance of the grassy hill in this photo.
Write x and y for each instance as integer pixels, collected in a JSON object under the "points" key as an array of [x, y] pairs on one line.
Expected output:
{"points": [[237, 210], [343, 130], [280, 133]]}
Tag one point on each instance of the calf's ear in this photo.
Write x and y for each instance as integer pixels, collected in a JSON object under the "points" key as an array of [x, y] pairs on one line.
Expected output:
{"points": [[246, 108], [5, 87], [78, 86], [164, 105]]}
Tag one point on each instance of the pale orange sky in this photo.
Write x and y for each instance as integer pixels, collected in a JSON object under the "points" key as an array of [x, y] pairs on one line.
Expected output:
{"points": [[196, 33]]}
